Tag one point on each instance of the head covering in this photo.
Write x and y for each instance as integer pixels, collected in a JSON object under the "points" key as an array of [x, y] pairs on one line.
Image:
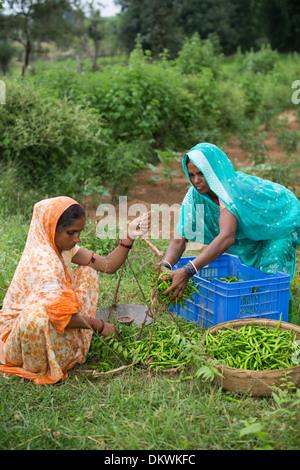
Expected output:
{"points": [[265, 211], [35, 340], [41, 276]]}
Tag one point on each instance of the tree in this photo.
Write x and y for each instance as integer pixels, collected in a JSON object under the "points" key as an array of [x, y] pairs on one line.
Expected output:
{"points": [[210, 17], [156, 23], [246, 22], [7, 51], [95, 32], [282, 24], [237, 23], [33, 20]]}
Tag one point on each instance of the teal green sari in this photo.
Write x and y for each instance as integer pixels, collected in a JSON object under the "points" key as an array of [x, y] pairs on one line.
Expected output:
{"points": [[267, 213]]}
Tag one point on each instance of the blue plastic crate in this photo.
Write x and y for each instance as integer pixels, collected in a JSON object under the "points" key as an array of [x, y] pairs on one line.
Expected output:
{"points": [[260, 295]]}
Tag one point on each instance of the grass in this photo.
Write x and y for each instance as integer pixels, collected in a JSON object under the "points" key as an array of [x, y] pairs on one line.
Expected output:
{"points": [[140, 411], [137, 409]]}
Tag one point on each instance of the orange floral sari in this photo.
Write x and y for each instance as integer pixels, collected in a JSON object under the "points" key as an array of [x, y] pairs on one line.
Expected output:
{"points": [[35, 342]]}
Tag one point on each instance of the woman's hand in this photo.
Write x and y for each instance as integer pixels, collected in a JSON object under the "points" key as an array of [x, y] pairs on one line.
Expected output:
{"points": [[165, 269], [179, 282], [110, 330], [96, 324], [139, 227], [107, 330]]}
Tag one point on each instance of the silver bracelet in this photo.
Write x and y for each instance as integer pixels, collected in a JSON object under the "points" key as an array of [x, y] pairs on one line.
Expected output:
{"points": [[166, 264], [190, 268], [196, 270]]}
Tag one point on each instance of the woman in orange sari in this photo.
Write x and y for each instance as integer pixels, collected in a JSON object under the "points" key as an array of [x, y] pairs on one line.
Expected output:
{"points": [[48, 314]]}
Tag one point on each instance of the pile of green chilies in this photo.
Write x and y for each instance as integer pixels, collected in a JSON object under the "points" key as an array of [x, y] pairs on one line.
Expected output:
{"points": [[169, 348], [253, 347], [228, 278], [164, 284]]}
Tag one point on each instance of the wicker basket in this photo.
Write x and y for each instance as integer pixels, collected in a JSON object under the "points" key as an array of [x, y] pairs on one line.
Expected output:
{"points": [[256, 383]]}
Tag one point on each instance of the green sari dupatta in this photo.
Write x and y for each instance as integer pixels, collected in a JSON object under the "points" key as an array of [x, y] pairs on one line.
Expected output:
{"points": [[268, 214]]}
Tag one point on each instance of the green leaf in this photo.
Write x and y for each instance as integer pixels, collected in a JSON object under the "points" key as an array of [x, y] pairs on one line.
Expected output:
{"points": [[251, 429]]}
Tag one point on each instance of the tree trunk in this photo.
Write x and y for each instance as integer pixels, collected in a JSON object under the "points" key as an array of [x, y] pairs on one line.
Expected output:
{"points": [[26, 57], [95, 55]]}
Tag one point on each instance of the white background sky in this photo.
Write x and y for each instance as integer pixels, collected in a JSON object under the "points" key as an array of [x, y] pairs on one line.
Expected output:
{"points": [[109, 8]]}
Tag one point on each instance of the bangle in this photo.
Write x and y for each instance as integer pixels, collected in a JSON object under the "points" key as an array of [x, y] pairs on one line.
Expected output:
{"points": [[92, 260], [193, 266], [166, 264], [132, 239], [125, 236], [190, 269], [125, 246], [102, 326]]}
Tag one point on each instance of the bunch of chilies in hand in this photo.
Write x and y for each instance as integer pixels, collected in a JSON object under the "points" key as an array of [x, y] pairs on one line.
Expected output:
{"points": [[49, 311]]}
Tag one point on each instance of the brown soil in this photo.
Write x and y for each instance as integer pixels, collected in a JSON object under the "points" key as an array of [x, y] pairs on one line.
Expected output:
{"points": [[148, 192]]}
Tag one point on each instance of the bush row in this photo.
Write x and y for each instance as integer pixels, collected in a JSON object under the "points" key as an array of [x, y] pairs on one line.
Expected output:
{"points": [[76, 134]]}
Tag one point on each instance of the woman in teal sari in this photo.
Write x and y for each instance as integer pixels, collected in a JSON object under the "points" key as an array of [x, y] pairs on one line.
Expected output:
{"points": [[230, 211]]}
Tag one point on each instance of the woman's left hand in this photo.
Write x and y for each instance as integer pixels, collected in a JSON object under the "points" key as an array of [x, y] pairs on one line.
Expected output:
{"points": [[109, 330], [139, 227], [179, 282]]}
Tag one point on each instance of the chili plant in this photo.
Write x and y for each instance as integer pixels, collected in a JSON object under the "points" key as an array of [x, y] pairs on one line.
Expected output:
{"points": [[169, 346], [162, 285]]}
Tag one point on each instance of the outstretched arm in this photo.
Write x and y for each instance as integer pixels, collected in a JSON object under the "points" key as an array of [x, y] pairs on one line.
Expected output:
{"points": [[174, 251], [225, 239], [107, 264], [217, 247], [113, 261], [92, 323]]}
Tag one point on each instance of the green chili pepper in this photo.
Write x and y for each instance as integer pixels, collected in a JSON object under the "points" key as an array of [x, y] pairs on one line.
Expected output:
{"points": [[164, 284], [252, 347]]}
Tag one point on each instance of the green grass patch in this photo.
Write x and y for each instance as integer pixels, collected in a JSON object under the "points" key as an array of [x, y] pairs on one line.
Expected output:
{"points": [[138, 408]]}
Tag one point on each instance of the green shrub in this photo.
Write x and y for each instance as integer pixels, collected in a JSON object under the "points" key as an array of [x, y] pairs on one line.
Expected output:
{"points": [[148, 100], [253, 92], [123, 161], [16, 197], [196, 54], [156, 101], [56, 144], [58, 82], [261, 61], [75, 133]]}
